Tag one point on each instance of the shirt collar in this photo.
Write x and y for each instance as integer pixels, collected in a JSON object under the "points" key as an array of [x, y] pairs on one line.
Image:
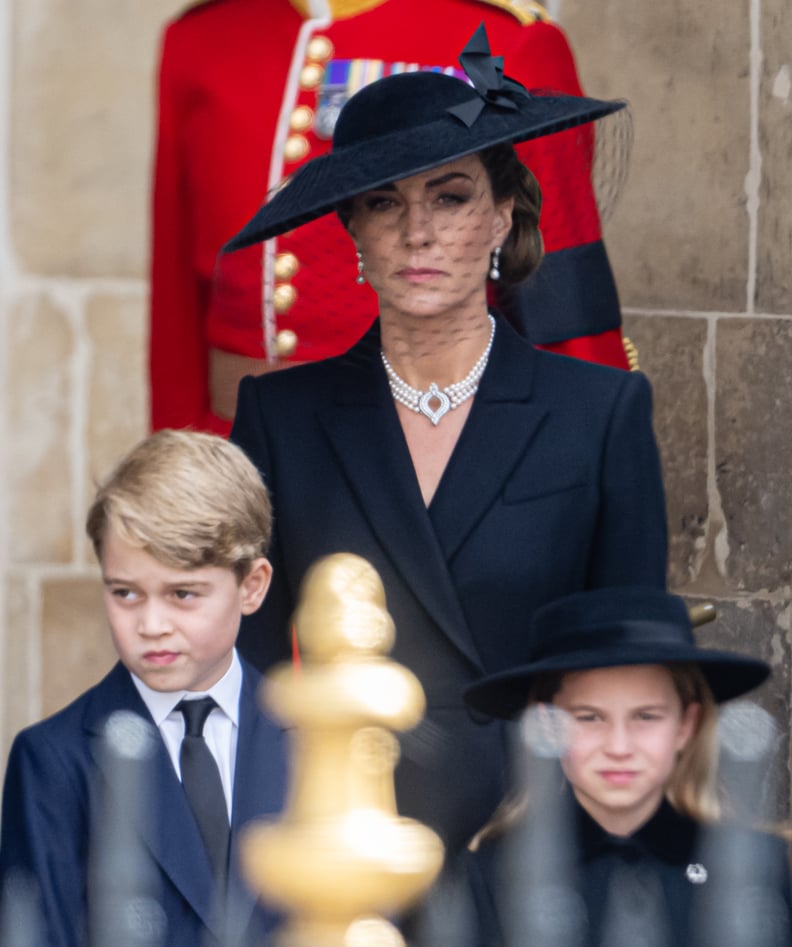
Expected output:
{"points": [[667, 835], [225, 692]]}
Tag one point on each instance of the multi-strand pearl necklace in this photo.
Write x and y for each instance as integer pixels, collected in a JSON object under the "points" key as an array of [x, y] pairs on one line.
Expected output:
{"points": [[448, 398]]}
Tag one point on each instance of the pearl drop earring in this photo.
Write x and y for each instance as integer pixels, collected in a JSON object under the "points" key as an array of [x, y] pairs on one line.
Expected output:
{"points": [[494, 271], [360, 279]]}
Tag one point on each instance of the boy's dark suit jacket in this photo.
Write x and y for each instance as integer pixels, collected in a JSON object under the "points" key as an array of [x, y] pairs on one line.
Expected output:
{"points": [[554, 487], [52, 792]]}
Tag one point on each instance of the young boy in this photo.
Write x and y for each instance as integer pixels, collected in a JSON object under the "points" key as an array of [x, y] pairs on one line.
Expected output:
{"points": [[181, 530]]}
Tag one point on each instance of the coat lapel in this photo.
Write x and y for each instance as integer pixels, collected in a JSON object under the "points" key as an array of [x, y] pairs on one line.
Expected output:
{"points": [[502, 423], [260, 782], [364, 432], [176, 844], [172, 836], [363, 428]]}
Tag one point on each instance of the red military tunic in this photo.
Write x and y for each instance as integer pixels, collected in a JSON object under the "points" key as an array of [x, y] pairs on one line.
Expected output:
{"points": [[245, 88]]}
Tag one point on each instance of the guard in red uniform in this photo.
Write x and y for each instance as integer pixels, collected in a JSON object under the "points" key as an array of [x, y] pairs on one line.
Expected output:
{"points": [[249, 89]]}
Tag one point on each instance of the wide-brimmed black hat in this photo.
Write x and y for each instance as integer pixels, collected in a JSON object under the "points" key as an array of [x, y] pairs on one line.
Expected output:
{"points": [[610, 628], [407, 123]]}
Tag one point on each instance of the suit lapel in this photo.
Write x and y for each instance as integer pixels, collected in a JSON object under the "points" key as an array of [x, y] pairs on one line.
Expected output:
{"points": [[171, 835], [259, 787], [176, 843], [502, 423], [363, 429]]}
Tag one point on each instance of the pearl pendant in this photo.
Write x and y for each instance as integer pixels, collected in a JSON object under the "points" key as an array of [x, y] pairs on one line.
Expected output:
{"points": [[446, 399], [424, 407]]}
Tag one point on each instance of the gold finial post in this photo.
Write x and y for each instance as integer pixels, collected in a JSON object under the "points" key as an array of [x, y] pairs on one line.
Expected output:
{"points": [[341, 858]]}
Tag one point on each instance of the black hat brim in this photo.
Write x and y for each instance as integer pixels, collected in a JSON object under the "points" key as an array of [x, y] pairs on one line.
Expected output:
{"points": [[320, 185], [505, 694]]}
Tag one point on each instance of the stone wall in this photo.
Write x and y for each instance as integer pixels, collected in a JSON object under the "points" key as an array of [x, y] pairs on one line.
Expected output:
{"points": [[76, 121], [701, 246]]}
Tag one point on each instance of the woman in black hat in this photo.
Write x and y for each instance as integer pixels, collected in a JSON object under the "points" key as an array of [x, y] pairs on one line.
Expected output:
{"points": [[479, 476], [636, 842]]}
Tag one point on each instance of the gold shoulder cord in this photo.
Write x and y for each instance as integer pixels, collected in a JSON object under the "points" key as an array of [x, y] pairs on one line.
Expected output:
{"points": [[526, 11], [339, 9], [631, 352]]}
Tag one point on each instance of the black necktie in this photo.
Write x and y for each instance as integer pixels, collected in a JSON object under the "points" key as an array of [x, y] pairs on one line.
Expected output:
{"points": [[202, 784]]}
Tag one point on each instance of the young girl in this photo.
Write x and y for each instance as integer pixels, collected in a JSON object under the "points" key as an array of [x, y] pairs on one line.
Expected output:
{"points": [[639, 856]]}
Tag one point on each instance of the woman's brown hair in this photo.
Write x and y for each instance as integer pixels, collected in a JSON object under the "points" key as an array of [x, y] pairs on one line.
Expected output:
{"points": [[523, 249]]}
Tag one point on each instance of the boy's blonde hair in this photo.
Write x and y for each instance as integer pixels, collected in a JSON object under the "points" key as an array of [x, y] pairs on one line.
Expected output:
{"points": [[189, 500]]}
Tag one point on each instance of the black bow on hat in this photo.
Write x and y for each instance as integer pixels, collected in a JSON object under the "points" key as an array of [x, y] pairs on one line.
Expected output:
{"points": [[408, 123], [486, 74]]}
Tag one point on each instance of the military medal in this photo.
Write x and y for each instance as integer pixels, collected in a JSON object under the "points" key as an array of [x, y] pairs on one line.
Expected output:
{"points": [[344, 77]]}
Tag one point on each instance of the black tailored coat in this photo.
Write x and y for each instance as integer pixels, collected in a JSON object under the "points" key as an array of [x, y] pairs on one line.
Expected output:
{"points": [[672, 883], [51, 802], [554, 486]]}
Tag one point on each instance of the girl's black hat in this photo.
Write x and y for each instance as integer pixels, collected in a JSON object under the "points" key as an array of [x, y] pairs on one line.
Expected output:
{"points": [[408, 123], [610, 628]]}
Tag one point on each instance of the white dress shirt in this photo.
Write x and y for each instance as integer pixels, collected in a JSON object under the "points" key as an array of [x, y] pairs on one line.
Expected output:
{"points": [[221, 730]]}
